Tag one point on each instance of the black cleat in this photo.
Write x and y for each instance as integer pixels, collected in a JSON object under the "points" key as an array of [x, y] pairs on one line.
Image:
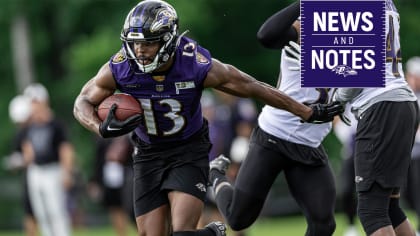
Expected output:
{"points": [[217, 227], [220, 163]]}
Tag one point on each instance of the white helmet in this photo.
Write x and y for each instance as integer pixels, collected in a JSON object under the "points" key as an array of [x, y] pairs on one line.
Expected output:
{"points": [[20, 109]]}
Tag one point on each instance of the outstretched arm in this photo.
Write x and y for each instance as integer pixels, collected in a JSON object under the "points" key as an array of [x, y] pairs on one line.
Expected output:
{"points": [[229, 79]]}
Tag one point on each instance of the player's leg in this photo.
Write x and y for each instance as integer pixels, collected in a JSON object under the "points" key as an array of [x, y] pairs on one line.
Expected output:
{"points": [[154, 222], [35, 181], [127, 195], [173, 179], [55, 196], [186, 184], [348, 196], [118, 219], [112, 201], [399, 220], [405, 228], [412, 192], [151, 205], [29, 217], [313, 188], [186, 210], [373, 207], [349, 190], [241, 205], [415, 165], [30, 225], [383, 151]]}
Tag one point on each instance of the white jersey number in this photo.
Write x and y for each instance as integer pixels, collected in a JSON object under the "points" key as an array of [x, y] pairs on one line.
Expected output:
{"points": [[150, 120]]}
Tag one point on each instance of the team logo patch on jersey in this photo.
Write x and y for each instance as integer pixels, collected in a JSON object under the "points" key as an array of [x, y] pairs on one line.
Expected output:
{"points": [[119, 57], [159, 87], [184, 85], [158, 78], [201, 58]]}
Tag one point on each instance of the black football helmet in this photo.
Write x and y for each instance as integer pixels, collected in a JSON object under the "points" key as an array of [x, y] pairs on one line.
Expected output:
{"points": [[151, 20]]}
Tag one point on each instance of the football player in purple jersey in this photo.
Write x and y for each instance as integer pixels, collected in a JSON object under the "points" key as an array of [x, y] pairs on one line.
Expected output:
{"points": [[167, 72]]}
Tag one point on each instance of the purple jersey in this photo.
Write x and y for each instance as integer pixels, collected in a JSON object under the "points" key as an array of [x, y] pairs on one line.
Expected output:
{"points": [[171, 101]]}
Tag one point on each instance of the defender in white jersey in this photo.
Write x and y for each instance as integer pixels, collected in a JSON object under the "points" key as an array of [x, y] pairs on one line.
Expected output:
{"points": [[282, 143], [285, 125], [388, 120]]}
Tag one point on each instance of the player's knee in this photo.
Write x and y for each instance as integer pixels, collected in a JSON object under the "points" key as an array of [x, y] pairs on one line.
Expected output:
{"points": [[325, 227], [373, 220], [240, 214], [141, 232], [239, 223], [396, 214], [373, 209], [238, 219], [242, 219]]}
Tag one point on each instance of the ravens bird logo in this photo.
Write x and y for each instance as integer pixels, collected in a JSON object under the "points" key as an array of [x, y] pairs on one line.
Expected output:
{"points": [[344, 70]]}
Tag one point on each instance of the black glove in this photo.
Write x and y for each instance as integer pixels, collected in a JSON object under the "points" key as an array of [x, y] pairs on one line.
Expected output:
{"points": [[111, 127], [323, 113]]}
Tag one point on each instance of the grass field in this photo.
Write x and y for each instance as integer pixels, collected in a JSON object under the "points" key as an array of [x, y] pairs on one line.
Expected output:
{"points": [[288, 226]]}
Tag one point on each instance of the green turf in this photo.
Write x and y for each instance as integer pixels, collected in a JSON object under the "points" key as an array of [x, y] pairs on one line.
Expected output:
{"points": [[290, 226]]}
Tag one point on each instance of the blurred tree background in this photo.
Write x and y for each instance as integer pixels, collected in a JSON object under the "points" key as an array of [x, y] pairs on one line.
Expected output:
{"points": [[70, 39]]}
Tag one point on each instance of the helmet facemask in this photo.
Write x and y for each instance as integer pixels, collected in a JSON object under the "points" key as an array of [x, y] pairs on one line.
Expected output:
{"points": [[151, 21]]}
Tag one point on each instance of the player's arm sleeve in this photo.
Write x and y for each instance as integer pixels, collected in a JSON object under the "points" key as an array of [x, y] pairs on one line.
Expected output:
{"points": [[277, 30], [346, 94]]}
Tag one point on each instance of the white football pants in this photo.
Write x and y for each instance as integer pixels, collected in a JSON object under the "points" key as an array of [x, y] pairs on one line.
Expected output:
{"points": [[48, 198]]}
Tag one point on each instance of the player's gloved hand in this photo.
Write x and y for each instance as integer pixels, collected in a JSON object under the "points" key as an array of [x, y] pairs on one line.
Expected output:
{"points": [[112, 127], [322, 113], [293, 55]]}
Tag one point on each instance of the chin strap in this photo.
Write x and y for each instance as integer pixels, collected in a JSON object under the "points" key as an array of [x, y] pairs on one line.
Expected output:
{"points": [[174, 46]]}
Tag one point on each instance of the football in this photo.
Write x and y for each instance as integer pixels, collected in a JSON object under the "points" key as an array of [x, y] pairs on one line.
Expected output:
{"points": [[127, 106]]}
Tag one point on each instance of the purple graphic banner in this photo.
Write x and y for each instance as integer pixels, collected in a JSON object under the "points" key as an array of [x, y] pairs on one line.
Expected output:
{"points": [[343, 43]]}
